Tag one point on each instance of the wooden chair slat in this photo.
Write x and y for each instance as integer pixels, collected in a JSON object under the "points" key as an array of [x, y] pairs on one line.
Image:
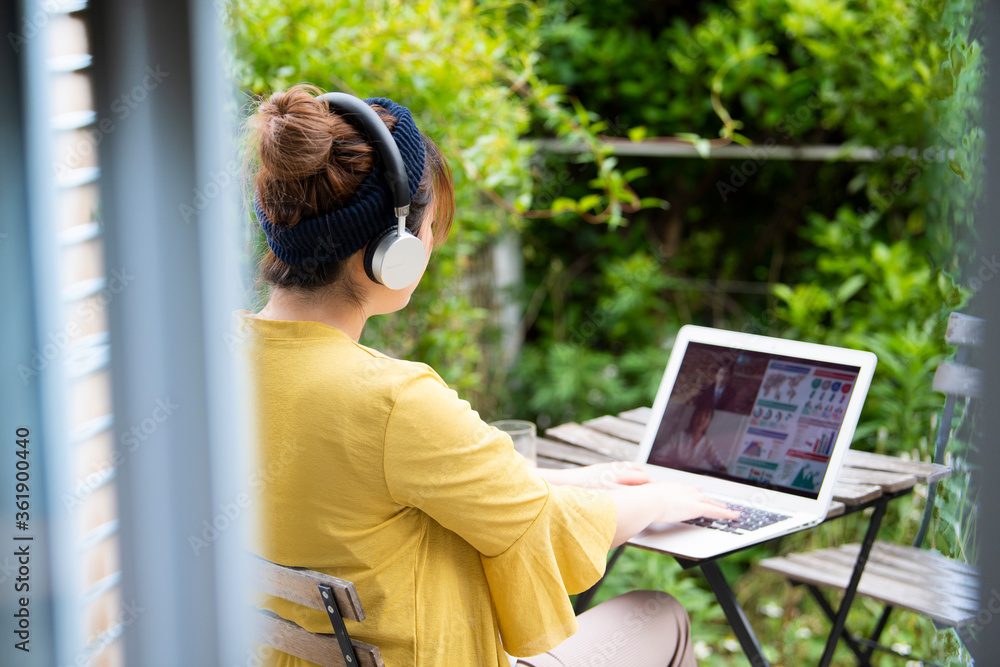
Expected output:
{"points": [[934, 557], [560, 451], [855, 494], [889, 481], [924, 472], [300, 586], [576, 434], [965, 330], [909, 571], [618, 427], [322, 649], [637, 415], [808, 569], [958, 379], [918, 594]]}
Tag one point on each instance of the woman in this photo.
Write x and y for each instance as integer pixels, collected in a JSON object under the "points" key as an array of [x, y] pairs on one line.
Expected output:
{"points": [[459, 552]]}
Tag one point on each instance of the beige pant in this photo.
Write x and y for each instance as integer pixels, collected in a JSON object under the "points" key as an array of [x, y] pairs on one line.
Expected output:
{"points": [[637, 629]]}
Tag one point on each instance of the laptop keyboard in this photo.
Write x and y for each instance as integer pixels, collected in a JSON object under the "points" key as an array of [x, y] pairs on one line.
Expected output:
{"points": [[750, 519]]}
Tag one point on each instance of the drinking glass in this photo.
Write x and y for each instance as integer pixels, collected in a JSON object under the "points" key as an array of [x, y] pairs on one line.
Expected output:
{"points": [[523, 434]]}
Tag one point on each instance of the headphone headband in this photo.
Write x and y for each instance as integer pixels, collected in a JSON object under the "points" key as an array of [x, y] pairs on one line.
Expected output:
{"points": [[360, 113]]}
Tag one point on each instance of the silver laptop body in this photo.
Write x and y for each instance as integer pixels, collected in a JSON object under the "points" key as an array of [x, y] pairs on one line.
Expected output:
{"points": [[754, 421]]}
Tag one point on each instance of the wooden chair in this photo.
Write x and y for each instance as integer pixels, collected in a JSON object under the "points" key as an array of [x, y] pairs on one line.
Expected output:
{"points": [[908, 577], [335, 597]]}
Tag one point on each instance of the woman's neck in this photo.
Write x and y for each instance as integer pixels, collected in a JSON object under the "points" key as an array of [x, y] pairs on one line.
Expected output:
{"points": [[337, 313]]}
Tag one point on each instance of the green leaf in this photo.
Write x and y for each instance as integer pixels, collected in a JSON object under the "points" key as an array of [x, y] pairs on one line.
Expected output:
{"points": [[654, 202], [637, 133], [850, 287], [588, 202], [563, 204], [956, 167]]}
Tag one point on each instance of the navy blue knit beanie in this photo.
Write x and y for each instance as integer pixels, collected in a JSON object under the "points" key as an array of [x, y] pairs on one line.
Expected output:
{"points": [[340, 233]]}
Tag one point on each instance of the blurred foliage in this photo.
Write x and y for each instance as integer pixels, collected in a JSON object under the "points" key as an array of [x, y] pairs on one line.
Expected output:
{"points": [[619, 252], [859, 254]]}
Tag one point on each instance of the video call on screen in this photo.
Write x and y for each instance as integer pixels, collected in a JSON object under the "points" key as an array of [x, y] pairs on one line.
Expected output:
{"points": [[767, 419]]}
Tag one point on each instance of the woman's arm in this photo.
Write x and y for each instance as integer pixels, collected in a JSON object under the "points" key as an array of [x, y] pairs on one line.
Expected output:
{"points": [[638, 501], [599, 476]]}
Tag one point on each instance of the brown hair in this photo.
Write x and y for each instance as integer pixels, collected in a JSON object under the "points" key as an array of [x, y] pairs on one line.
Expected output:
{"points": [[312, 161]]}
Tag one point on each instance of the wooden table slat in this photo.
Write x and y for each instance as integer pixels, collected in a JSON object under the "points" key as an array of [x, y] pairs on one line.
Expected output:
{"points": [[637, 415], [581, 436], [545, 462], [855, 494], [889, 481], [924, 472], [560, 451], [618, 427], [836, 509]]}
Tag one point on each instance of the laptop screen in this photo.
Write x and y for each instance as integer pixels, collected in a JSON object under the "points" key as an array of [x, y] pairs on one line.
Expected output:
{"points": [[754, 417]]}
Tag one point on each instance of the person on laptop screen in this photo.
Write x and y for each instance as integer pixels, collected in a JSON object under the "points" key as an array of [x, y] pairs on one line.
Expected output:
{"points": [[691, 448], [720, 394]]}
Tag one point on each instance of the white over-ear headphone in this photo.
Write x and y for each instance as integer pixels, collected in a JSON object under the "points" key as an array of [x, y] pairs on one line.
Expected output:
{"points": [[395, 257]]}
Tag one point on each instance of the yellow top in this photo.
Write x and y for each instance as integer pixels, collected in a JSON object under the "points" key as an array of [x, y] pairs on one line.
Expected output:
{"points": [[373, 470]]}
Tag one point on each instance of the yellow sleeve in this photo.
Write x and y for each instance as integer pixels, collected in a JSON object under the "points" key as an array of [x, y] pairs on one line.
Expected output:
{"points": [[537, 544]]}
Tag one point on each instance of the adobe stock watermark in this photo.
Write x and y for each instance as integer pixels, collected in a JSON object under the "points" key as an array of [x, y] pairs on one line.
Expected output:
{"points": [[759, 154], [7, 568], [33, 24], [130, 440], [715, 27], [56, 342], [257, 657], [127, 614], [984, 273], [597, 317], [229, 513], [986, 613], [122, 107], [916, 163], [202, 196]]}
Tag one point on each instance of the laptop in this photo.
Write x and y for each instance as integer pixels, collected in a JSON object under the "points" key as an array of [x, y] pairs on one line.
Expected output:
{"points": [[759, 423]]}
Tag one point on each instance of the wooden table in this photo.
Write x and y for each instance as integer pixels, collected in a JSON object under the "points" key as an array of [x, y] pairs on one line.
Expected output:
{"points": [[865, 481]]}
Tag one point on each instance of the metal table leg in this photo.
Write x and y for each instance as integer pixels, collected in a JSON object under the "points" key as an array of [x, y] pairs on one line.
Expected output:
{"points": [[852, 587], [734, 613]]}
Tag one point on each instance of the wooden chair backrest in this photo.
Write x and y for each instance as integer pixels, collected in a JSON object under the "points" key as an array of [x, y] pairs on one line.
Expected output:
{"points": [[956, 380], [302, 587]]}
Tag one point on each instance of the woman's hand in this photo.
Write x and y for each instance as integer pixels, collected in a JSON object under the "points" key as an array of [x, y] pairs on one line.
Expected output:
{"points": [[611, 475], [661, 502], [680, 503]]}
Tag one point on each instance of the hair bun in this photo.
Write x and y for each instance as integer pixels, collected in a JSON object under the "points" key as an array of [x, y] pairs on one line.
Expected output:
{"points": [[295, 135]]}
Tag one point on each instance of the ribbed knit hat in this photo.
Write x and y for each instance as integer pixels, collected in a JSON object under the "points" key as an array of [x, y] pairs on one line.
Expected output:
{"points": [[340, 233]]}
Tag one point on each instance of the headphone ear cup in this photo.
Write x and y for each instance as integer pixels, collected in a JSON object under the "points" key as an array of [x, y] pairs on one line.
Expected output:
{"points": [[395, 260], [370, 251]]}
